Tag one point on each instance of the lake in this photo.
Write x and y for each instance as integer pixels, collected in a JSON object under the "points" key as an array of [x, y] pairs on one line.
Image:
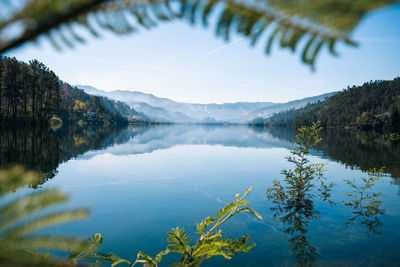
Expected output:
{"points": [[141, 181]]}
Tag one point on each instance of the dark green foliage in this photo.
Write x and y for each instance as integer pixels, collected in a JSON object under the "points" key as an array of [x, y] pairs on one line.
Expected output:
{"points": [[29, 92], [294, 198], [313, 22], [365, 203], [395, 118], [375, 105]]}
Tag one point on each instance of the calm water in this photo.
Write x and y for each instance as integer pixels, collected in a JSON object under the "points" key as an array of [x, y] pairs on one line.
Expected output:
{"points": [[140, 182]]}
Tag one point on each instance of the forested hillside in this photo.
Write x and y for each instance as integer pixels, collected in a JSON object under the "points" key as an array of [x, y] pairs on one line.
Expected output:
{"points": [[31, 93], [77, 106], [374, 104], [286, 118]]}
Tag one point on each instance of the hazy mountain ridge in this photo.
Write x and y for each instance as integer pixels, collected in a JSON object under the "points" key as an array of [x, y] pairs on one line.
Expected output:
{"points": [[167, 110], [295, 104], [148, 104]]}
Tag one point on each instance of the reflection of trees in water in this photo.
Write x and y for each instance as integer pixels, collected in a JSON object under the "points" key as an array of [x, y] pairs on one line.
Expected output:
{"points": [[365, 203], [294, 198], [44, 150], [364, 150]]}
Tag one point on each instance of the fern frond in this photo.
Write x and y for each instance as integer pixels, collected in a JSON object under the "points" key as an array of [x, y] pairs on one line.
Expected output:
{"points": [[44, 242], [28, 205], [178, 241]]}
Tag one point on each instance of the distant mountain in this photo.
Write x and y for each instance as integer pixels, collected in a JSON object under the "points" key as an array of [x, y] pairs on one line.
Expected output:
{"points": [[164, 109], [149, 105], [281, 107]]}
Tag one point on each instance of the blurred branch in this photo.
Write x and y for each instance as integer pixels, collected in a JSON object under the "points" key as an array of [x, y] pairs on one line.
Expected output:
{"points": [[320, 22]]}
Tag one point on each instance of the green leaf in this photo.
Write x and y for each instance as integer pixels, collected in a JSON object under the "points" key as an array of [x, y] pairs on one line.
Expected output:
{"points": [[252, 211], [178, 241]]}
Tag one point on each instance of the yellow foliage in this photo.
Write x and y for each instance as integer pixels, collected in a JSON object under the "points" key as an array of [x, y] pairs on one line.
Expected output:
{"points": [[79, 105], [55, 123], [79, 140], [81, 123], [364, 114]]}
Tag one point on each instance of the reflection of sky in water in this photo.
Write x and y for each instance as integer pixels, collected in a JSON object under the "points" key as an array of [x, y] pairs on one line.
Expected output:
{"points": [[175, 176]]}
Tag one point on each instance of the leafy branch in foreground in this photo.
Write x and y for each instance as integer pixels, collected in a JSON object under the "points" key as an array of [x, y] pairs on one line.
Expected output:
{"points": [[18, 241], [211, 242], [314, 21], [365, 203], [294, 198]]}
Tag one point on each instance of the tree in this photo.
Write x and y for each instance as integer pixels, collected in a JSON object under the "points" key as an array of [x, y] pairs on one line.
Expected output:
{"points": [[294, 198], [9, 85]]}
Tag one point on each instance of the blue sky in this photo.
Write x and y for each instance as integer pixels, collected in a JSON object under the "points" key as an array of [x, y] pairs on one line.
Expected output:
{"points": [[189, 64]]}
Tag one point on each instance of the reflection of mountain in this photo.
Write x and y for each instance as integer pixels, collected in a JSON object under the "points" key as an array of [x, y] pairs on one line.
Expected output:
{"points": [[147, 139], [164, 109]]}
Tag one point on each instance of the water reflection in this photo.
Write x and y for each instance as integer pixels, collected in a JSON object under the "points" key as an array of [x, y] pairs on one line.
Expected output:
{"points": [[365, 203], [43, 150], [164, 186], [364, 150]]}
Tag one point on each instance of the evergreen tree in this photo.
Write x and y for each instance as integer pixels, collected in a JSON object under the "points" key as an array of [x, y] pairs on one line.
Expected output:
{"points": [[395, 118]]}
